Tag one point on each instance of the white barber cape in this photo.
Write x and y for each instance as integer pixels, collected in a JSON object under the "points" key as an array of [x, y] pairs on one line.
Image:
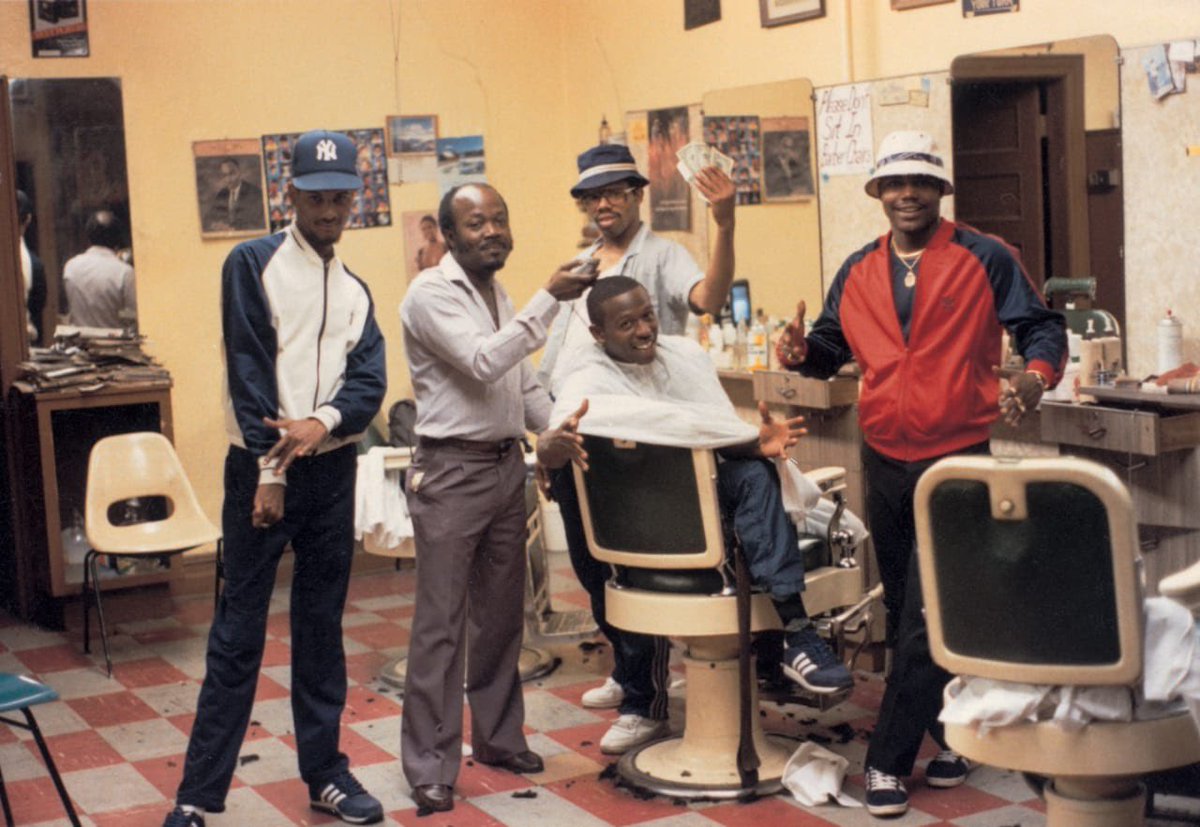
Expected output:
{"points": [[1170, 684]]}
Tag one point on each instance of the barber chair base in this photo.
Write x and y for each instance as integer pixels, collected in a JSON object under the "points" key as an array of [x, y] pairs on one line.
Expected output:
{"points": [[533, 664], [1108, 810], [702, 762], [668, 768]]}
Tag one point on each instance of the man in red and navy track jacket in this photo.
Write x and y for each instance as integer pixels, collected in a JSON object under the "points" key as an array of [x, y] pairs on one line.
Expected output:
{"points": [[922, 310]]}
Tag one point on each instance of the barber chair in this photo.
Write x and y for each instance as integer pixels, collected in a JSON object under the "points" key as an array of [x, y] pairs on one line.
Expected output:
{"points": [[1073, 298], [540, 620], [1030, 573], [652, 513]]}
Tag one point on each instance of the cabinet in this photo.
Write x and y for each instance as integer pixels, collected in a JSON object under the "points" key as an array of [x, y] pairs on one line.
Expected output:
{"points": [[1151, 442], [55, 434]]}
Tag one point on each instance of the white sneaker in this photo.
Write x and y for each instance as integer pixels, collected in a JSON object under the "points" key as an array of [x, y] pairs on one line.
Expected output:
{"points": [[629, 731], [607, 695]]}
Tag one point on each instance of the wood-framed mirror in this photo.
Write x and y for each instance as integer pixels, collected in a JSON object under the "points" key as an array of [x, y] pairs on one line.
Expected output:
{"points": [[1037, 157]]}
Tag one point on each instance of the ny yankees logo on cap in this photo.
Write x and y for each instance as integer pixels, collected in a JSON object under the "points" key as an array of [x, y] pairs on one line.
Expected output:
{"points": [[326, 150]]}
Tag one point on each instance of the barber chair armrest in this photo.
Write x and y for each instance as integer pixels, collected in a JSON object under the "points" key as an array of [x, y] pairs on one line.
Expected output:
{"points": [[829, 479], [1183, 586]]}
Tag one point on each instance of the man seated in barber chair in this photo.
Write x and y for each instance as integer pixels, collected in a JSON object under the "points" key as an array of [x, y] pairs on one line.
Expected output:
{"points": [[678, 393]]}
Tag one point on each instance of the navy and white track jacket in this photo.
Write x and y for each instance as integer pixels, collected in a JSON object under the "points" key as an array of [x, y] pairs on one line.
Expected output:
{"points": [[300, 340]]}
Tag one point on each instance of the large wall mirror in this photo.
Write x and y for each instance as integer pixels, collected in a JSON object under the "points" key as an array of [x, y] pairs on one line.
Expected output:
{"points": [[69, 157], [1037, 157], [778, 232]]}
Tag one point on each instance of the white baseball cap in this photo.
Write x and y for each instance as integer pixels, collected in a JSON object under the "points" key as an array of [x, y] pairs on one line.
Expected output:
{"points": [[908, 153]]}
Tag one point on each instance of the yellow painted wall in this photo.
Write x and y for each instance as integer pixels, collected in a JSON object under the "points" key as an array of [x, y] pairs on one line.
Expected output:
{"points": [[534, 76], [203, 69]]}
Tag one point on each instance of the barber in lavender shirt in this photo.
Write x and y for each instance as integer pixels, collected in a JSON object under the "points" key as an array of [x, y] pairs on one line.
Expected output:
{"points": [[476, 397]]}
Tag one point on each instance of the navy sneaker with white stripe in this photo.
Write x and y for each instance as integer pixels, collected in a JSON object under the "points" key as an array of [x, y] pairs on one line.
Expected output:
{"points": [[808, 660], [344, 797]]}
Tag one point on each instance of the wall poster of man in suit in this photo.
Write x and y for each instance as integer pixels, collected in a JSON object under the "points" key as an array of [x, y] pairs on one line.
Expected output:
{"points": [[229, 179]]}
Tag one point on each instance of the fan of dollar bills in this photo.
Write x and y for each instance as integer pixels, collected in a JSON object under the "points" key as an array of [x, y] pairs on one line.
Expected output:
{"points": [[696, 155]]}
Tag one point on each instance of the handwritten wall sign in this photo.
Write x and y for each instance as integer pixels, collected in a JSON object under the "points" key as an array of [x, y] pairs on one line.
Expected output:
{"points": [[845, 140]]}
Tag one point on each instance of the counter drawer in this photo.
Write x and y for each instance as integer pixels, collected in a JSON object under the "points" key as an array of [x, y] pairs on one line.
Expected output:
{"points": [[787, 388], [1114, 429]]}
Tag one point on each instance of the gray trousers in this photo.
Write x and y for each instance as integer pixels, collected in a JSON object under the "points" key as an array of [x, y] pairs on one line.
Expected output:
{"points": [[468, 510]]}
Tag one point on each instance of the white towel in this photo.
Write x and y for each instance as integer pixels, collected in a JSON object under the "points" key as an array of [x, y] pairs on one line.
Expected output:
{"points": [[1170, 684], [380, 510], [814, 776]]}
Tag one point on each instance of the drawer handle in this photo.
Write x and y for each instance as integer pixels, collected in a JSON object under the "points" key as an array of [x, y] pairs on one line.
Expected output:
{"points": [[786, 392], [1093, 428]]}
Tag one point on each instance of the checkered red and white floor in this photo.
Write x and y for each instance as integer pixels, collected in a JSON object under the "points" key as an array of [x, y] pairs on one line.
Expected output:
{"points": [[119, 742]]}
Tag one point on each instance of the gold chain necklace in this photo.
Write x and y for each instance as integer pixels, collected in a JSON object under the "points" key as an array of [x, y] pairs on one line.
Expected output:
{"points": [[910, 279]]}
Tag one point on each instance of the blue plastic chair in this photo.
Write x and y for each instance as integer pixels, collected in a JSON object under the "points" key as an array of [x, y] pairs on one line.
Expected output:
{"points": [[20, 692]]}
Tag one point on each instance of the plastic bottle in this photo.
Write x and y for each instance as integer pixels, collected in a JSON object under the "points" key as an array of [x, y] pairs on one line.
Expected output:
{"points": [[716, 337], [758, 354], [728, 333], [740, 346], [1170, 343]]}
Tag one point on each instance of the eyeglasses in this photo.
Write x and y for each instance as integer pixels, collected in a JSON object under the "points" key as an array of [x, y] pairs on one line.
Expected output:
{"points": [[614, 196]]}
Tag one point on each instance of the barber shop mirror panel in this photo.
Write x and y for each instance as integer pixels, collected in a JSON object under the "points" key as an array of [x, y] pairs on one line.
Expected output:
{"points": [[767, 129], [1037, 158], [69, 154]]}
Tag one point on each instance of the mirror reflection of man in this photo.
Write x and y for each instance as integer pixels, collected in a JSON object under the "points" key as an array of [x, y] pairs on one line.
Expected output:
{"points": [[238, 204], [98, 284], [33, 271]]}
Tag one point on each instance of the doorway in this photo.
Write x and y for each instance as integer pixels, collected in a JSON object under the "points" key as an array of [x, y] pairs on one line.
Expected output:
{"points": [[1027, 169]]}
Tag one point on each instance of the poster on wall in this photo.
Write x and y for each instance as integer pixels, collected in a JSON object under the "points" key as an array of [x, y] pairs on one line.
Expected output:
{"points": [[670, 196], [461, 160], [423, 242], [738, 137], [978, 8], [229, 188], [412, 140], [787, 170], [58, 28], [372, 204], [845, 138]]}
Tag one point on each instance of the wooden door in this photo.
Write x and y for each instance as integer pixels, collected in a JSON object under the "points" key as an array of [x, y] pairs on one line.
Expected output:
{"points": [[998, 166]]}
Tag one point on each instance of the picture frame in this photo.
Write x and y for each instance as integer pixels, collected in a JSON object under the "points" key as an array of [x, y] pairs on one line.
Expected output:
{"points": [[411, 135], [903, 5], [229, 188], [982, 8], [782, 12]]}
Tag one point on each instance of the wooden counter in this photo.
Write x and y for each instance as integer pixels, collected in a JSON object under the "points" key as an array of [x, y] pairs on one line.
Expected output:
{"points": [[56, 431]]}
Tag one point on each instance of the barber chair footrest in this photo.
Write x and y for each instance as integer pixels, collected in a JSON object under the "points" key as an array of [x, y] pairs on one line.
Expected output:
{"points": [[667, 768], [533, 663]]}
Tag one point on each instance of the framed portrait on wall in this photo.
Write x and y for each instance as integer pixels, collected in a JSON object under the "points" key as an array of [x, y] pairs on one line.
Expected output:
{"points": [[781, 12], [229, 187]]}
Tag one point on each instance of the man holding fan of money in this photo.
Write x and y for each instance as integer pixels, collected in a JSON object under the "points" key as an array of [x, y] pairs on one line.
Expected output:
{"points": [[610, 189]]}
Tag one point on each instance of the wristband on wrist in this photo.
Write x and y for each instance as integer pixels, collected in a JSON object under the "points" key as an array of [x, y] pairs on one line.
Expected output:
{"points": [[1041, 377]]}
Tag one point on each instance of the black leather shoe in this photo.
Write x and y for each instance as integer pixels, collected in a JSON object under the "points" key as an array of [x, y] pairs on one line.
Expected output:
{"points": [[521, 762], [436, 797]]}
